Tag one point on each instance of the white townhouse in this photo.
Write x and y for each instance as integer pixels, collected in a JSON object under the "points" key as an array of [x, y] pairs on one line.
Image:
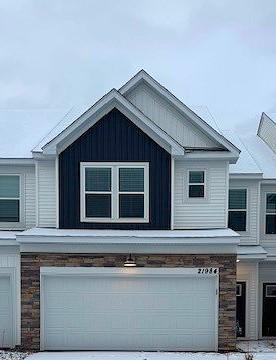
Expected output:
{"points": [[135, 224]]}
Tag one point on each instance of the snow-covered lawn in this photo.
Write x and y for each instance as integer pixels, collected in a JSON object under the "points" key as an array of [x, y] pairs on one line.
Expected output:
{"points": [[261, 350], [13, 355]]}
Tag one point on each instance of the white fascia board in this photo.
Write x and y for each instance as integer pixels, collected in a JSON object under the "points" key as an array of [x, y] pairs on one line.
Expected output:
{"points": [[115, 271], [246, 176], [127, 248], [98, 110], [206, 128], [127, 244], [210, 155], [268, 182], [251, 252], [16, 161]]}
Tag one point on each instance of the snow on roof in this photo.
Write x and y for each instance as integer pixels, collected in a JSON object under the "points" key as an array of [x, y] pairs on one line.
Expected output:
{"points": [[22, 129], [207, 233], [272, 116]]}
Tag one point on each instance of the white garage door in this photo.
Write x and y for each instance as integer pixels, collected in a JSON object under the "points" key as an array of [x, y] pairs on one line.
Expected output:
{"points": [[128, 309], [6, 336]]}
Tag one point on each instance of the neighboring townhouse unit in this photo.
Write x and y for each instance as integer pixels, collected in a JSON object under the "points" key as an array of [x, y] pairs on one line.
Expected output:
{"points": [[133, 224]]}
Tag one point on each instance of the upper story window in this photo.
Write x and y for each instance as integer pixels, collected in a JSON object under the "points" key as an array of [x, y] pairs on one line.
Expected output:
{"points": [[9, 198], [237, 209], [270, 227], [114, 192], [196, 184]]}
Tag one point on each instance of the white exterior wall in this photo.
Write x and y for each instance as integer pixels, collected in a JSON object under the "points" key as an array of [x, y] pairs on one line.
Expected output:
{"points": [[168, 118], [251, 235], [266, 240], [200, 213], [267, 132], [46, 194], [28, 193], [248, 271], [10, 259]]}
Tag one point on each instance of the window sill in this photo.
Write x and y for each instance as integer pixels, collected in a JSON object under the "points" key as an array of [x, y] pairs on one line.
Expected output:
{"points": [[114, 221]]}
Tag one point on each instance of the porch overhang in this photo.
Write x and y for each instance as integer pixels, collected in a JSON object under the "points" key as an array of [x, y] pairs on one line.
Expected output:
{"points": [[216, 241], [251, 252]]}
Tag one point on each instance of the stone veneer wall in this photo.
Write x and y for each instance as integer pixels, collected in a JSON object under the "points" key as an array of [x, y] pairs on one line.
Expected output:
{"points": [[30, 286]]}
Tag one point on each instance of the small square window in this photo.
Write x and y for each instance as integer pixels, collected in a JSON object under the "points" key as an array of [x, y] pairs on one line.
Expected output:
{"points": [[196, 184], [238, 290], [270, 291]]}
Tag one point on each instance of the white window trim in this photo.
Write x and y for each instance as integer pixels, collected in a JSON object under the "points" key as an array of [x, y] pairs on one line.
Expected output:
{"points": [[268, 213], [238, 290], [203, 183], [15, 224], [245, 209], [114, 191]]}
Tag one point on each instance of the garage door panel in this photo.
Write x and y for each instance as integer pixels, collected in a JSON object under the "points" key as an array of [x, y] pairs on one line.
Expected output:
{"points": [[5, 312], [129, 313]]}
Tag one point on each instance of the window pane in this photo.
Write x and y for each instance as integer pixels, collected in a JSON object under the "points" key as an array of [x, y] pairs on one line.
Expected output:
{"points": [[196, 176], [9, 186], [98, 205], [131, 179], [270, 224], [237, 220], [98, 179], [237, 199], [9, 210], [271, 203], [196, 191], [131, 206], [270, 290]]}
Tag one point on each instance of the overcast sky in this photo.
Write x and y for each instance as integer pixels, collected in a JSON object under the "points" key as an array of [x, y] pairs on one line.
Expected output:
{"points": [[217, 53]]}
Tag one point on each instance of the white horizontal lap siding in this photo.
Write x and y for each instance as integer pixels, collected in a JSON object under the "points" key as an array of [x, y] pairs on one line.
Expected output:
{"points": [[46, 193], [28, 194], [199, 213], [248, 271], [266, 240], [168, 118], [251, 235]]}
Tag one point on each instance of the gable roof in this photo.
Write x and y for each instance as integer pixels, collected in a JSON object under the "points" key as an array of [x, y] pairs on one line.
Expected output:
{"points": [[43, 137], [112, 99], [143, 76]]}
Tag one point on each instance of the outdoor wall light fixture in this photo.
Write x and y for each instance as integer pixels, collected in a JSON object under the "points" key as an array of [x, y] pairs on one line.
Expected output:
{"points": [[238, 260], [130, 262]]}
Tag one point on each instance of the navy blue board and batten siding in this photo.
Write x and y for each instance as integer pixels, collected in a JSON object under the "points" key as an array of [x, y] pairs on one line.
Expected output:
{"points": [[115, 138]]}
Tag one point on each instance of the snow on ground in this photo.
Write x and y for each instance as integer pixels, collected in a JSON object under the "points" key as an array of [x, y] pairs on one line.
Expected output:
{"points": [[261, 350], [13, 355], [103, 355]]}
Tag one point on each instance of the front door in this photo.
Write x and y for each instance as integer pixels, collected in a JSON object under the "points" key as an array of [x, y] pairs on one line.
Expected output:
{"points": [[241, 308], [269, 309]]}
